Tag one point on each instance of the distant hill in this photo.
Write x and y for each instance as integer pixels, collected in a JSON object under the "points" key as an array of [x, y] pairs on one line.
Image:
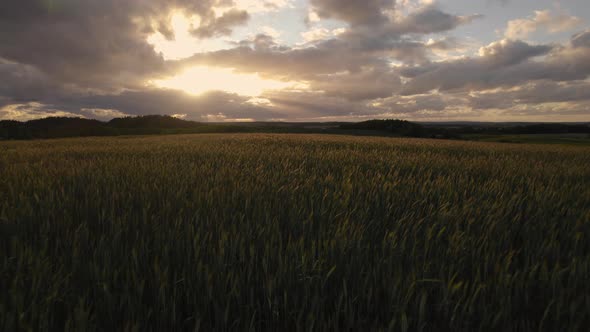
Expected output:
{"points": [[162, 124], [400, 127], [455, 130], [550, 128], [51, 127], [522, 129], [56, 127]]}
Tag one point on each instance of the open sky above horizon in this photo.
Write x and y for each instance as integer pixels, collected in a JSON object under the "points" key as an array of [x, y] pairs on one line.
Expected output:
{"points": [[296, 60]]}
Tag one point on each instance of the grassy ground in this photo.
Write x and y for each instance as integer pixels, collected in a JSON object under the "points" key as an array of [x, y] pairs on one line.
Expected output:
{"points": [[564, 139], [287, 232]]}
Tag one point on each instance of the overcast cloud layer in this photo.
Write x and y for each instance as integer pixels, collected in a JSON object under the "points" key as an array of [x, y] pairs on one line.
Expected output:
{"points": [[343, 60]]}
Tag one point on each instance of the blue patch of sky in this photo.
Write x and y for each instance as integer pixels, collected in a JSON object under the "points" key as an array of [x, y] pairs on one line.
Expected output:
{"points": [[290, 22], [497, 14]]}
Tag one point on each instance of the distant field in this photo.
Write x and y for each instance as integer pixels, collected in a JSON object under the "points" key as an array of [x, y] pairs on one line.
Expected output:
{"points": [[567, 139], [235, 232]]}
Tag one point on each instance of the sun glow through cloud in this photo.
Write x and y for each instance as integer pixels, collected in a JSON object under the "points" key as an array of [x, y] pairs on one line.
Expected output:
{"points": [[297, 60], [198, 80], [184, 44]]}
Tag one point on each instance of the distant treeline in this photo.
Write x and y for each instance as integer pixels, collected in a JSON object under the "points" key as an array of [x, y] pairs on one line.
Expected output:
{"points": [[541, 128], [400, 127], [57, 127], [161, 124], [410, 129]]}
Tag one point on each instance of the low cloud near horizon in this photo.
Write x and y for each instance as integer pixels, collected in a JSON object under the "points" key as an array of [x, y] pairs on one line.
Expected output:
{"points": [[296, 60]]}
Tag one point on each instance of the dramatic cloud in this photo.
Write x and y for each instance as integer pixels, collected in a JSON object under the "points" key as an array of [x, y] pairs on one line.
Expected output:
{"points": [[430, 19], [31, 111], [368, 12], [500, 64], [99, 44], [295, 60], [508, 52], [222, 25], [21, 82]]}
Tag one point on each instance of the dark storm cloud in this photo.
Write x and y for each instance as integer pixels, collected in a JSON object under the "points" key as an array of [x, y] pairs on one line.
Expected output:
{"points": [[5, 101], [362, 85], [19, 82], [355, 12], [533, 93], [546, 98], [91, 57], [432, 104], [314, 105], [380, 14], [98, 50], [97, 44], [505, 63], [430, 19]]}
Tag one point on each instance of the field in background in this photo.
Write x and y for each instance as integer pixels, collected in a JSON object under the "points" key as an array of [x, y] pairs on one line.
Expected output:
{"points": [[293, 232], [565, 139], [533, 133]]}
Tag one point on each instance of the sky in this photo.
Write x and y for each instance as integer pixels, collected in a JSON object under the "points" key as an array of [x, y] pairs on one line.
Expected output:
{"points": [[296, 60]]}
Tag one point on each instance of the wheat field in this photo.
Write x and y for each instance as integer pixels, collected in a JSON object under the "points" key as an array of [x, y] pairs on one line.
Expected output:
{"points": [[262, 232]]}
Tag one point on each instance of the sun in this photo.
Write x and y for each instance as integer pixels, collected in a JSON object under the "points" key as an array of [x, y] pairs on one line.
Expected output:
{"points": [[202, 79], [198, 80], [183, 45]]}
